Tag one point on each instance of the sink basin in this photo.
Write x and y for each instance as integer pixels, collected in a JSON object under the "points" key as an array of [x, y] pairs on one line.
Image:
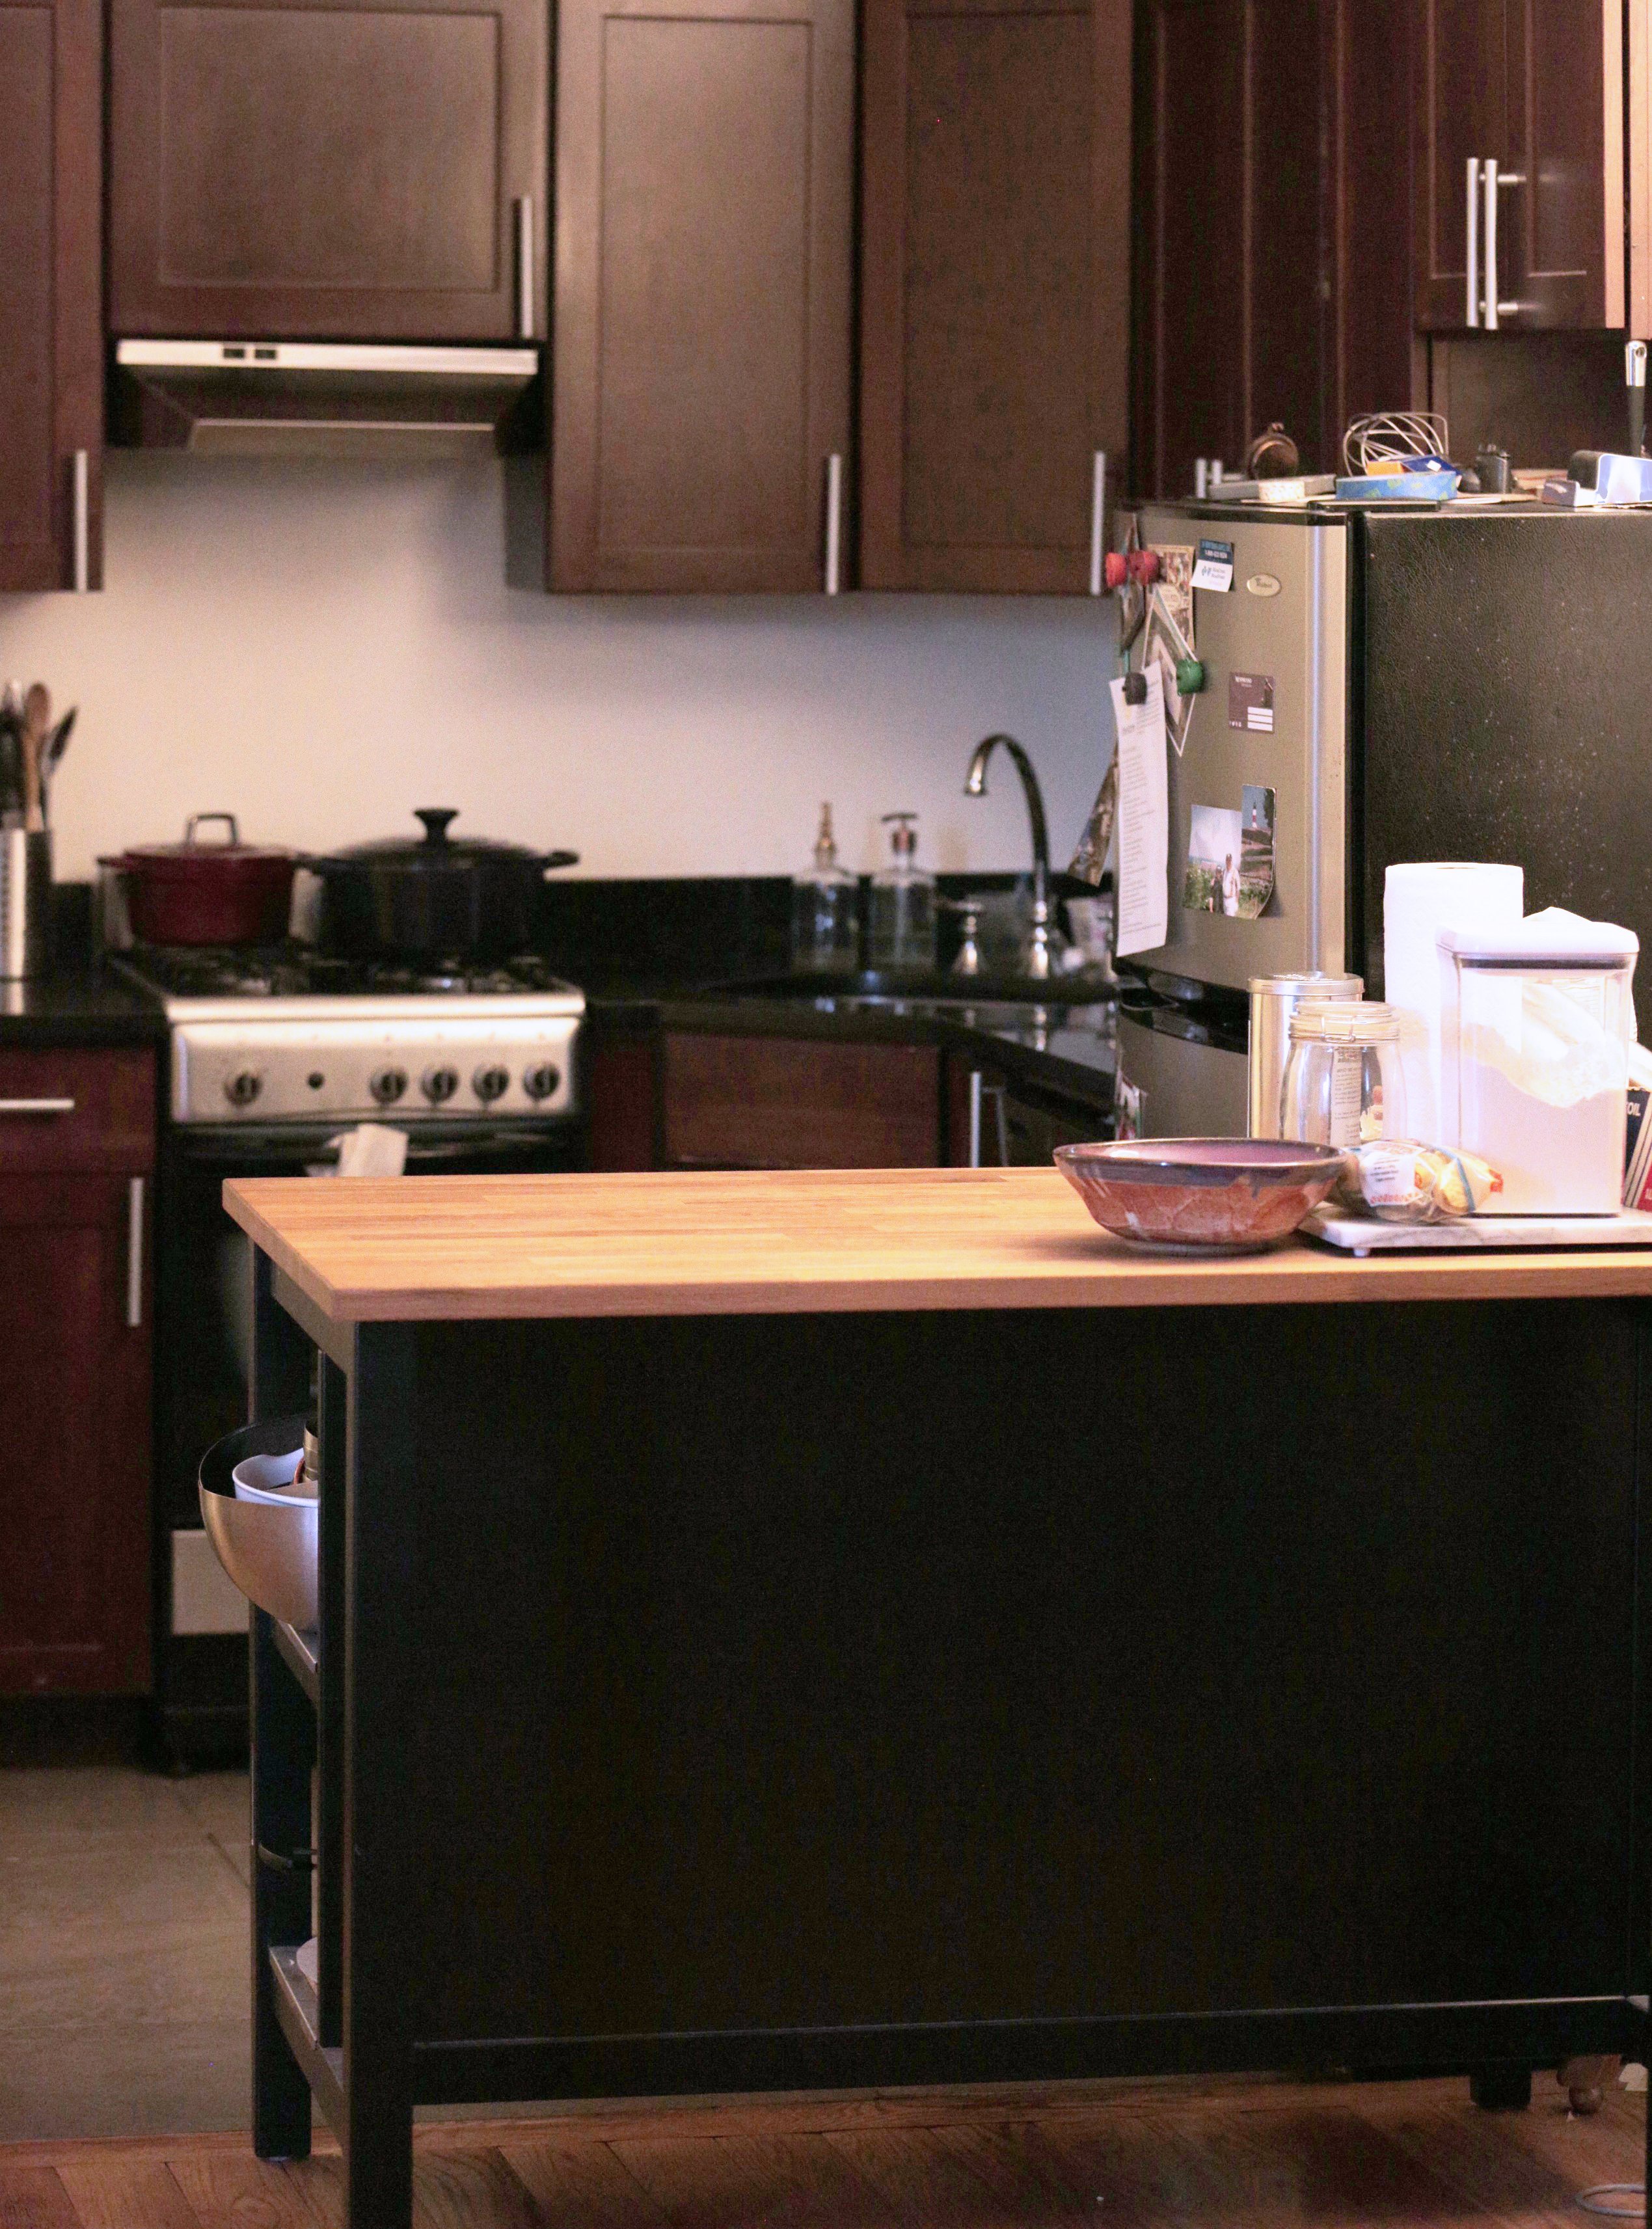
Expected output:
{"points": [[880, 990]]}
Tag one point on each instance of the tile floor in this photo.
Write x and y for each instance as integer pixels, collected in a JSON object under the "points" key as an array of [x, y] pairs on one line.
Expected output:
{"points": [[124, 1959]]}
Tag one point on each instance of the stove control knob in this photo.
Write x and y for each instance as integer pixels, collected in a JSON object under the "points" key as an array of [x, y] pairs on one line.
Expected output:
{"points": [[540, 1082], [489, 1084], [243, 1087], [439, 1083], [387, 1085]]}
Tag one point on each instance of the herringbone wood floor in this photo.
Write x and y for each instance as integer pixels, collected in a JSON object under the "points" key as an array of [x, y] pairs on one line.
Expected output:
{"points": [[1115, 2155]]}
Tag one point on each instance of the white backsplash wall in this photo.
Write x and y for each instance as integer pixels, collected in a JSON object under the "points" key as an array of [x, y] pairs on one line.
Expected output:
{"points": [[319, 648]]}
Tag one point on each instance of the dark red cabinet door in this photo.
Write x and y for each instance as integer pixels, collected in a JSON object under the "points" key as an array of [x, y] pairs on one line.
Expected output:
{"points": [[74, 1544], [700, 377], [51, 276], [1536, 86], [347, 169], [995, 288]]}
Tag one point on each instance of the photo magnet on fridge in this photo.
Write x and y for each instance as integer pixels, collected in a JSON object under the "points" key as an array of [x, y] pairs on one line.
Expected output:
{"points": [[1255, 850], [1215, 858]]}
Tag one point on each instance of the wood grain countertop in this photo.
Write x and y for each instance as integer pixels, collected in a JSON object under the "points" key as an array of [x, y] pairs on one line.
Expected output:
{"points": [[767, 1242]]}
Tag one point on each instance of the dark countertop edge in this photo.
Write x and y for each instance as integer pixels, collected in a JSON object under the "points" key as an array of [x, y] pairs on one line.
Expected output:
{"points": [[88, 1008], [712, 1013]]}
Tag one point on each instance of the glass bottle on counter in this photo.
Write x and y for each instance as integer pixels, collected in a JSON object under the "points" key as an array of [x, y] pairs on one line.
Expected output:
{"points": [[825, 932], [902, 903], [1342, 1083]]}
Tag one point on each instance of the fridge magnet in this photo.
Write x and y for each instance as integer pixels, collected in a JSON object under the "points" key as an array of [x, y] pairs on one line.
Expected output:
{"points": [[1215, 856], [1214, 566], [1175, 587], [1164, 645], [1255, 850], [1250, 703]]}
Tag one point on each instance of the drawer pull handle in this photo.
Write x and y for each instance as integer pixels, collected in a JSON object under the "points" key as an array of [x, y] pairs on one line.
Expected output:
{"points": [[37, 1107], [135, 1254]]}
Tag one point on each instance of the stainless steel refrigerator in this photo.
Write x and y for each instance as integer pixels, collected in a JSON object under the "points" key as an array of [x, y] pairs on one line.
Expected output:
{"points": [[1385, 684]]}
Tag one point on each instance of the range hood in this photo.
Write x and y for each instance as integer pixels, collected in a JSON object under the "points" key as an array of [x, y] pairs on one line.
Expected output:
{"points": [[318, 398]]}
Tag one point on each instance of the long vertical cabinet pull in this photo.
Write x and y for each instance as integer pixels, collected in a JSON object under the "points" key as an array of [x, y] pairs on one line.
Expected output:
{"points": [[81, 499], [980, 1092], [525, 267], [135, 1254], [1473, 243], [1097, 523], [835, 524], [1492, 181]]}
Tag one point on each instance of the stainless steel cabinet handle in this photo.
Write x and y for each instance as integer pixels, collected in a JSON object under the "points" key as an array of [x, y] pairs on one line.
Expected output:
{"points": [[1098, 521], [1473, 241], [37, 1107], [980, 1090], [135, 1254], [1492, 179], [82, 489], [834, 523], [525, 267]]}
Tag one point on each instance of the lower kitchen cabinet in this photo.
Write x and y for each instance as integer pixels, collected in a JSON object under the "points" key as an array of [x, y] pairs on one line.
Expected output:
{"points": [[76, 1153], [764, 1102], [51, 294]]}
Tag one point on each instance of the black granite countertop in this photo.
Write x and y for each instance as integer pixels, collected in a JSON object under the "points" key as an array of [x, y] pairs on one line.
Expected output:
{"points": [[91, 1007]]}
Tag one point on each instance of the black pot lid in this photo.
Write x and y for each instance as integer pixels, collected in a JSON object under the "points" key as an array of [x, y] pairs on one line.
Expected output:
{"points": [[440, 852]]}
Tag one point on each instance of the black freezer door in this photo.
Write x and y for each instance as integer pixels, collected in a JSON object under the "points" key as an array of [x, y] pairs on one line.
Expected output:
{"points": [[1502, 681]]}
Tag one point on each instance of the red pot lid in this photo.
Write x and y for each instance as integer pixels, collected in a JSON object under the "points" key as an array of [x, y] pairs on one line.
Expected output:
{"points": [[191, 851]]}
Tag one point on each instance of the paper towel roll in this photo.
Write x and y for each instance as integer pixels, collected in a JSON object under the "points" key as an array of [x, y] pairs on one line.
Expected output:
{"points": [[1418, 900]]}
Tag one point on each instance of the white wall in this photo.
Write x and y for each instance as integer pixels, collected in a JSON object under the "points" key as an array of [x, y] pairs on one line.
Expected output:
{"points": [[320, 648]]}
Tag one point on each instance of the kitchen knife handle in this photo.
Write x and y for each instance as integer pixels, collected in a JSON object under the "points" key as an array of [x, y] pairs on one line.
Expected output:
{"points": [[1474, 244], [135, 1254], [525, 267], [1097, 522], [835, 524], [81, 481]]}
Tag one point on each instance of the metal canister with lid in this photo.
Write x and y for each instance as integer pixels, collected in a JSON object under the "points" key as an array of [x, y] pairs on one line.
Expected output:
{"points": [[1274, 999]]}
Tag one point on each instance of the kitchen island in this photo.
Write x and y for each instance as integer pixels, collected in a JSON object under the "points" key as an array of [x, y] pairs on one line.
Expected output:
{"points": [[842, 1630]]}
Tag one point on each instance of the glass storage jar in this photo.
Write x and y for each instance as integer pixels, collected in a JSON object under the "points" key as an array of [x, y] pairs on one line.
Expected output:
{"points": [[1342, 1083]]}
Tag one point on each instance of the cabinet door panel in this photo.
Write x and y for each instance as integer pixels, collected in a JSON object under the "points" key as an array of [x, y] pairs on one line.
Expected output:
{"points": [[784, 1103], [74, 1562], [313, 168], [702, 315], [995, 288], [51, 371], [1561, 233], [1461, 95]]}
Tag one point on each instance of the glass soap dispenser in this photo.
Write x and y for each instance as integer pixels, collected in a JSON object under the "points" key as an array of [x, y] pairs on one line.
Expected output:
{"points": [[825, 931], [902, 903]]}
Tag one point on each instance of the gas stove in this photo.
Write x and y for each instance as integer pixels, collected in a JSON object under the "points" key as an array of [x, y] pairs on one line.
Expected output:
{"points": [[289, 1035]]}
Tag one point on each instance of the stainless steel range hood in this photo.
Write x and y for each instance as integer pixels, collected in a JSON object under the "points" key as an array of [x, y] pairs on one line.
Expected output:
{"points": [[319, 398]]}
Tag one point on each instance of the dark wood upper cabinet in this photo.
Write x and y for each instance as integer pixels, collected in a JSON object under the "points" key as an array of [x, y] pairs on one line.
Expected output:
{"points": [[701, 352], [51, 268], [1537, 87], [327, 168], [1273, 205], [995, 257]]}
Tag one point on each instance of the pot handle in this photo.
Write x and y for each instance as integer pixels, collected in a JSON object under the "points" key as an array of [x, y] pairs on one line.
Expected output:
{"points": [[552, 860], [200, 819]]}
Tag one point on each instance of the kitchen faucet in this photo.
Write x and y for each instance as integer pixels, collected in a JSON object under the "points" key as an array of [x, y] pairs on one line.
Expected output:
{"points": [[1035, 957]]}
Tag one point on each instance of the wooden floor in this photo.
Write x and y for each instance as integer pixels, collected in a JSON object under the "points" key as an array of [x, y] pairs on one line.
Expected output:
{"points": [[1113, 2156]]}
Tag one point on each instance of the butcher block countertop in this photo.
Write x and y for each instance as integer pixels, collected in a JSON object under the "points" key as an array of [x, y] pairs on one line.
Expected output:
{"points": [[755, 1242]]}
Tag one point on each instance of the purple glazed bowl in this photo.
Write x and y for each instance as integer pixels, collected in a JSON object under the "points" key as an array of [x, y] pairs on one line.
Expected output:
{"points": [[1201, 1195]]}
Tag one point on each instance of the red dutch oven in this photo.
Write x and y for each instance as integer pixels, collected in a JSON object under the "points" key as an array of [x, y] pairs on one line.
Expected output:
{"points": [[196, 893]]}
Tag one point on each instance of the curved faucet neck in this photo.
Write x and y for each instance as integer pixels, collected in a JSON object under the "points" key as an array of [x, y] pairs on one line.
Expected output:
{"points": [[975, 785]]}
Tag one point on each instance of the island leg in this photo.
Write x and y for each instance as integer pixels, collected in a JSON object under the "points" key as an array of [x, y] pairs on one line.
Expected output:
{"points": [[383, 1695], [283, 1746]]}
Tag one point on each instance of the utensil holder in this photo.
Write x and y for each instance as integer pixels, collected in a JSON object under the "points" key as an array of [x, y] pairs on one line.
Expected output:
{"points": [[25, 902]]}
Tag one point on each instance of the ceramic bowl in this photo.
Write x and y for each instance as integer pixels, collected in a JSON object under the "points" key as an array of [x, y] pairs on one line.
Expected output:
{"points": [[271, 1478], [1201, 1195]]}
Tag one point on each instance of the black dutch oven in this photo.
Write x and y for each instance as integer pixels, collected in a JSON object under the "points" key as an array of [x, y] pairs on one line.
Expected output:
{"points": [[446, 898]]}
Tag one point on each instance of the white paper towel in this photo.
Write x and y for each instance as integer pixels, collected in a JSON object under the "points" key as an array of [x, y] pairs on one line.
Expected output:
{"points": [[1418, 900]]}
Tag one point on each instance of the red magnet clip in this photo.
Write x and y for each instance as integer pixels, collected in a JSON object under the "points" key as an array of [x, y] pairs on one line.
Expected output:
{"points": [[1117, 570], [1144, 566]]}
